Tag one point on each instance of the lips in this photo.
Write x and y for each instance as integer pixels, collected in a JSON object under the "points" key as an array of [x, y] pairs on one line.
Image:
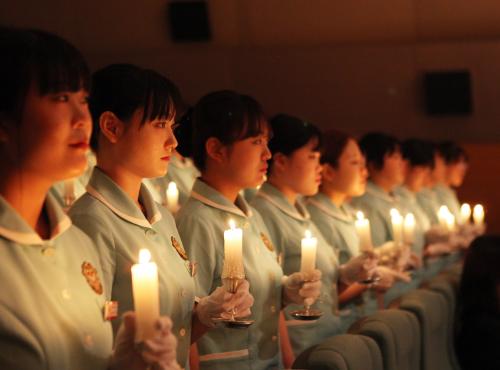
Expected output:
{"points": [[166, 158], [84, 145]]}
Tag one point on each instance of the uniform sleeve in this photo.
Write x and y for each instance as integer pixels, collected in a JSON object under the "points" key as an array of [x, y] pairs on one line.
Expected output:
{"points": [[101, 235], [202, 247], [380, 231]]}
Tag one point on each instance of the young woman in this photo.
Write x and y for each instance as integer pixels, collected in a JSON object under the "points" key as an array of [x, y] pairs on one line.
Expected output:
{"points": [[52, 292], [230, 149], [385, 169], [133, 139], [295, 171], [344, 176]]}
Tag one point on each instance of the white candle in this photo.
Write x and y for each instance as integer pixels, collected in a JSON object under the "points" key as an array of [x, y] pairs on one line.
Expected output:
{"points": [[363, 229], [450, 222], [409, 228], [308, 248], [443, 217], [465, 213], [478, 215], [233, 253], [397, 226], [172, 197], [145, 291]]}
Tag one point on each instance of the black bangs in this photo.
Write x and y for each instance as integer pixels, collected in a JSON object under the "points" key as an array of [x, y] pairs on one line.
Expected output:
{"points": [[57, 66], [158, 101], [292, 133]]}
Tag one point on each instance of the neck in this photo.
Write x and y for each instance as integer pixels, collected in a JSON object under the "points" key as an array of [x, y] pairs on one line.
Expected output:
{"points": [[128, 182], [412, 186], [26, 193], [289, 194], [219, 183], [383, 183], [336, 197]]}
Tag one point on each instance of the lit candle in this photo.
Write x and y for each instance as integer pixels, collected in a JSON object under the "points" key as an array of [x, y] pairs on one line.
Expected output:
{"points": [[233, 253], [145, 291], [308, 247], [465, 213], [450, 222], [478, 215], [363, 229], [409, 228], [443, 217], [172, 197], [397, 226], [69, 192]]}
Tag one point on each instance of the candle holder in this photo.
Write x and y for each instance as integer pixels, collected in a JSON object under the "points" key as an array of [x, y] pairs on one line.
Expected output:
{"points": [[307, 313], [231, 284]]}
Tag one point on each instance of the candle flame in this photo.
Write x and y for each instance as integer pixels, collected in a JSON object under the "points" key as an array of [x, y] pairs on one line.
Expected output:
{"points": [[409, 219], [172, 186], [394, 212], [478, 208], [308, 234], [444, 210], [465, 208], [232, 224], [360, 215], [144, 255]]}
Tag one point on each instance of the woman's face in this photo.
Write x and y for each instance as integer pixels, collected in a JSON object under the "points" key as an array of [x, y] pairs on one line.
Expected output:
{"points": [[302, 169], [349, 178], [393, 169], [417, 176], [455, 173], [246, 161], [439, 171], [146, 149], [52, 139]]}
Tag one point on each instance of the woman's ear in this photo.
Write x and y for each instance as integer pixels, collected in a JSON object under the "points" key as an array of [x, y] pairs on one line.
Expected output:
{"points": [[328, 173], [112, 128], [280, 162], [215, 149]]}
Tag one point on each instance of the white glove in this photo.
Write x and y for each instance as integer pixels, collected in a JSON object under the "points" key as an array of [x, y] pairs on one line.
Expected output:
{"points": [[220, 304], [301, 289], [358, 268], [388, 276], [404, 254], [437, 249], [155, 353]]}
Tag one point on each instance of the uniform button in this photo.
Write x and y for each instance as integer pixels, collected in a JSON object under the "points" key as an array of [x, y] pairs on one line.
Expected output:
{"points": [[182, 332], [274, 338], [66, 294], [48, 252], [273, 308]]}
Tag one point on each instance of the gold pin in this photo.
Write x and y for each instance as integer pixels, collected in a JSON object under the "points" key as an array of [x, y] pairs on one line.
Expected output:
{"points": [[267, 242], [178, 247], [92, 277]]}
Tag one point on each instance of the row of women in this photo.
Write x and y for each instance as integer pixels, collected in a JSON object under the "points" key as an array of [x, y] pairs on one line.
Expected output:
{"points": [[62, 272]]}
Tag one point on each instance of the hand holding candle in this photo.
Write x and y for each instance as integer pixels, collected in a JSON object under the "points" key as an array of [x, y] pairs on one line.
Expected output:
{"points": [[146, 300]]}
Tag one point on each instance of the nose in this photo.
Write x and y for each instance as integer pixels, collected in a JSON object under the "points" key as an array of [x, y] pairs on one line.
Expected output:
{"points": [[171, 140], [81, 118], [267, 153]]}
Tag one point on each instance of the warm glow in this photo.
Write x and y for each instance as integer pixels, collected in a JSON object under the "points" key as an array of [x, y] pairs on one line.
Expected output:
{"points": [[394, 212], [410, 219], [172, 186], [308, 234], [232, 224], [144, 256], [360, 215]]}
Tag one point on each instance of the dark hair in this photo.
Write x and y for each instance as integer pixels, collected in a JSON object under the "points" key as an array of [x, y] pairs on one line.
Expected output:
{"points": [[376, 145], [334, 143], [418, 152], [227, 116], [291, 133], [451, 152], [480, 277], [184, 133], [124, 88], [40, 59]]}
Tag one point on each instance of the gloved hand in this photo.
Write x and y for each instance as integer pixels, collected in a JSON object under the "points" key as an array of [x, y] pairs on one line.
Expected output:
{"points": [[388, 276], [415, 260], [358, 268], [437, 249], [220, 304], [157, 353], [403, 257], [436, 234], [301, 289]]}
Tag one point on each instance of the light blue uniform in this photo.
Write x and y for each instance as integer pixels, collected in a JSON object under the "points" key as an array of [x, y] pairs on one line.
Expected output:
{"points": [[336, 224], [287, 225], [120, 229], [376, 204], [429, 203], [448, 197], [51, 306], [202, 221]]}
